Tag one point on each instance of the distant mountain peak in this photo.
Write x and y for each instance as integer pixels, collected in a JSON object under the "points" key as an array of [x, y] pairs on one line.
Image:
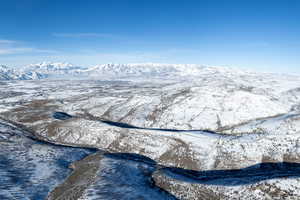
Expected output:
{"points": [[7, 73], [52, 65], [114, 70]]}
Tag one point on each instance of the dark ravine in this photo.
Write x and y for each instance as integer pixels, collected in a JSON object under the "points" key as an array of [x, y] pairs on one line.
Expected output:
{"points": [[235, 177], [28, 162], [130, 126], [23, 171], [111, 176]]}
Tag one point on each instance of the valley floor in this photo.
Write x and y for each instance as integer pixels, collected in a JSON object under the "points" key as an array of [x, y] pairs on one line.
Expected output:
{"points": [[236, 137]]}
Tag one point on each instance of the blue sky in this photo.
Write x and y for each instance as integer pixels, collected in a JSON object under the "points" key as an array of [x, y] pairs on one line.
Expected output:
{"points": [[263, 35]]}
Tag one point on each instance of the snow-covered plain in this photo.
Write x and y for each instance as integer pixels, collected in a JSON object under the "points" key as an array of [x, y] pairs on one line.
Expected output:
{"points": [[186, 116]]}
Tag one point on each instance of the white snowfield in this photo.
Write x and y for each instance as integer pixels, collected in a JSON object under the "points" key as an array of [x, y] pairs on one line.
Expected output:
{"points": [[187, 116]]}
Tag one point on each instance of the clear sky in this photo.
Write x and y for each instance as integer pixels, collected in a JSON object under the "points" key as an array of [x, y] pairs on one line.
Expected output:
{"points": [[263, 34]]}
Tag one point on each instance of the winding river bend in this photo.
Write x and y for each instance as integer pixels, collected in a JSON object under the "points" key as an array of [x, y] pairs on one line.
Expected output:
{"points": [[32, 169]]}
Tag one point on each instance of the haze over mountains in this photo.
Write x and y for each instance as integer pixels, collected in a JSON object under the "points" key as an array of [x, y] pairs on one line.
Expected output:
{"points": [[66, 70]]}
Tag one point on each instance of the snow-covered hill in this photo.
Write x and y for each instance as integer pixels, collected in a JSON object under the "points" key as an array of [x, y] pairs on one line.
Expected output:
{"points": [[210, 120]]}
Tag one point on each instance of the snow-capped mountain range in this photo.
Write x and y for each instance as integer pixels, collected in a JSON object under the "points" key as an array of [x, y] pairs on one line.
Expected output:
{"points": [[145, 69], [39, 71], [7, 73], [108, 71], [53, 69]]}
